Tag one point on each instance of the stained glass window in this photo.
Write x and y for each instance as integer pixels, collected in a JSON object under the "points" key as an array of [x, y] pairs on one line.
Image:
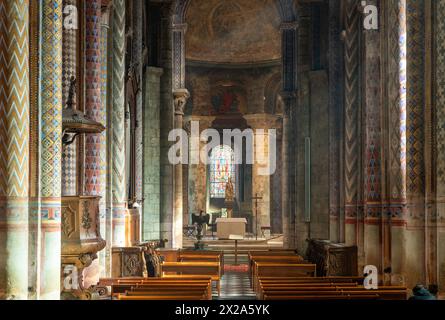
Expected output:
{"points": [[222, 167]]}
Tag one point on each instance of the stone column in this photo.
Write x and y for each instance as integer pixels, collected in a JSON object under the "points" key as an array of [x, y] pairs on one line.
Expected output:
{"points": [[289, 33], [138, 64], [14, 149], [105, 215], [95, 144], [70, 56], [373, 153], [50, 149], [152, 191], [352, 105], [394, 235], [439, 33], [180, 96], [180, 99], [166, 120], [415, 142], [118, 123], [336, 89]]}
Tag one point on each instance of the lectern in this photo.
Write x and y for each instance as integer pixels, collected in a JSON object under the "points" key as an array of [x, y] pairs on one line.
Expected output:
{"points": [[228, 226]]}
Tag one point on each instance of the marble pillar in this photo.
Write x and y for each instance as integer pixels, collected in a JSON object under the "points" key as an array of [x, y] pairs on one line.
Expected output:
{"points": [[14, 152]]}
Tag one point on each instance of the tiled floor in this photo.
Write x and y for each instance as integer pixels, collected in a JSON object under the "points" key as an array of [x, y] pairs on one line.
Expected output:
{"points": [[235, 285]]}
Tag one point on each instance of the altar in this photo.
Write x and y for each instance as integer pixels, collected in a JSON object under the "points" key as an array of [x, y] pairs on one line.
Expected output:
{"points": [[230, 226]]}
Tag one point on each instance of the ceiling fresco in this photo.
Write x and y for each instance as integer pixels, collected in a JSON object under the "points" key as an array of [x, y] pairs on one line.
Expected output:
{"points": [[233, 31]]}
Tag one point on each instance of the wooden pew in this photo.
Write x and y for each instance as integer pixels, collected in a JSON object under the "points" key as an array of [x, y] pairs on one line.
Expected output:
{"points": [[121, 285], [382, 294], [193, 269], [160, 297], [265, 269], [202, 255], [320, 297]]}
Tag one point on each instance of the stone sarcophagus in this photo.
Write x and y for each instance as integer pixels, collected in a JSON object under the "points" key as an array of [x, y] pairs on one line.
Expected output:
{"points": [[81, 240], [332, 259]]}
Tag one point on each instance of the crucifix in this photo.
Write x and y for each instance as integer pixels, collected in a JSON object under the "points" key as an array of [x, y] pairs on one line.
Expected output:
{"points": [[256, 198]]}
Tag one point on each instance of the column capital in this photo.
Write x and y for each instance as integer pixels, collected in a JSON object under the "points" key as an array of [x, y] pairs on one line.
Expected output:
{"points": [[289, 25], [180, 97]]}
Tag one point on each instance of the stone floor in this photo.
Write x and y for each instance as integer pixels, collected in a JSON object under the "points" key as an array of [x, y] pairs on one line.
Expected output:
{"points": [[235, 285]]}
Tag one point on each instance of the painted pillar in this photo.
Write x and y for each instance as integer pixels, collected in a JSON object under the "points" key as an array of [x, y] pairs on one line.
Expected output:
{"points": [[180, 96], [352, 119], [105, 216], [394, 235], [138, 63], [289, 33], [14, 152], [336, 102], [34, 153], [118, 123], [95, 144], [69, 69], [415, 142], [372, 153], [51, 149], [439, 221]]}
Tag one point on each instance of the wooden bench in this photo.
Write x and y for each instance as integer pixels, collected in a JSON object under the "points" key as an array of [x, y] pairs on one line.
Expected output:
{"points": [[163, 289], [381, 294], [202, 255], [266, 269], [193, 269], [120, 285]]}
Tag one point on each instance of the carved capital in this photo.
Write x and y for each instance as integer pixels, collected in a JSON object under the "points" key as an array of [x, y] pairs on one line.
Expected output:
{"points": [[288, 98], [180, 97]]}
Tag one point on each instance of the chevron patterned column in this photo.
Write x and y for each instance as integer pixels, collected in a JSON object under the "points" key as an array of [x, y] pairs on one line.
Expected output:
{"points": [[352, 106], [118, 123], [14, 152], [51, 149], [69, 154]]}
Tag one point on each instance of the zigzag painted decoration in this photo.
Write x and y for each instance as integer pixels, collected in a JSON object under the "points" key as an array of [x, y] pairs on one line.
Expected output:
{"points": [[352, 58], [14, 99], [440, 96], [118, 93]]}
